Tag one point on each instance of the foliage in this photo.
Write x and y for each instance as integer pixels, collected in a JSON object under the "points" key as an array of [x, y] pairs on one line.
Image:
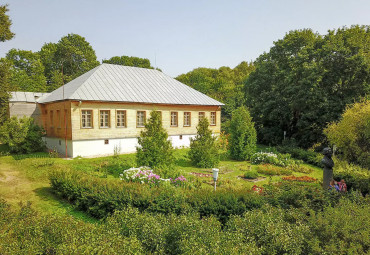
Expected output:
{"points": [[28, 232], [5, 23], [271, 170], [71, 57], [299, 178], [27, 71], [351, 134], [203, 150], [305, 81], [22, 135], [300, 169], [277, 159], [223, 84], [308, 156], [250, 175], [356, 177], [155, 149], [243, 136], [4, 90], [129, 61]]}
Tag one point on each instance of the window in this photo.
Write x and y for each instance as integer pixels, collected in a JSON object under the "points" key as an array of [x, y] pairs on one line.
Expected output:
{"points": [[174, 119], [104, 118], [58, 119], [106, 141], [201, 116], [140, 118], [51, 119], [121, 118], [187, 119], [86, 118], [213, 119]]}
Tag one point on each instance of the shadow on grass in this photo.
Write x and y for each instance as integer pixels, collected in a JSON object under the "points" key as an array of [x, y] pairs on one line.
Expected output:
{"points": [[54, 202]]}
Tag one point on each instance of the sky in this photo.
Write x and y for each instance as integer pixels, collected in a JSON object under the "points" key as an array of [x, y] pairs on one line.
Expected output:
{"points": [[177, 36]]}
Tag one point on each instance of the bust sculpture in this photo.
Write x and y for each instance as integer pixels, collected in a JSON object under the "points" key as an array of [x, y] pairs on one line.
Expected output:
{"points": [[328, 164]]}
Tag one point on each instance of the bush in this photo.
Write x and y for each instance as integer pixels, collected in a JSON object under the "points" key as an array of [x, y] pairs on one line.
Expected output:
{"points": [[250, 175], [22, 135], [155, 149], [268, 169], [277, 159], [307, 156], [352, 133], [243, 135], [203, 150], [356, 177]]}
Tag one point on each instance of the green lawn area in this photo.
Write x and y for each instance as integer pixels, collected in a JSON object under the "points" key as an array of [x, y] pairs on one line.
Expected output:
{"points": [[25, 178]]}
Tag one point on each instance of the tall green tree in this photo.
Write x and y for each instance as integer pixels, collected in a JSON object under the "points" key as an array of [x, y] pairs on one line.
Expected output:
{"points": [[72, 56], [243, 135], [306, 80], [5, 23], [203, 149], [5, 35], [155, 149], [129, 61], [223, 84], [27, 71]]}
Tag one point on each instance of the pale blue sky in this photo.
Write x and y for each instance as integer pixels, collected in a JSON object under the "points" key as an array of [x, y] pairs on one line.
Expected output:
{"points": [[183, 35]]}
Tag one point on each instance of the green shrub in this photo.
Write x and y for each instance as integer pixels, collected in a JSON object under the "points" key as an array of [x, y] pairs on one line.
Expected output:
{"points": [[356, 177], [307, 156], [276, 159], [155, 149], [243, 135], [203, 150], [351, 134], [300, 169], [268, 169], [22, 135], [250, 174]]}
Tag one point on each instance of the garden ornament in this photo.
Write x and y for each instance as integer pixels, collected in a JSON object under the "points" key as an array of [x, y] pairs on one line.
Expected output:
{"points": [[328, 164]]}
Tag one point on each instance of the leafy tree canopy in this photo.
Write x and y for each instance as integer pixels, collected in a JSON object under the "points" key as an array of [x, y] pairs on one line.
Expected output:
{"points": [[5, 23], [129, 61], [27, 71], [223, 84], [306, 80]]}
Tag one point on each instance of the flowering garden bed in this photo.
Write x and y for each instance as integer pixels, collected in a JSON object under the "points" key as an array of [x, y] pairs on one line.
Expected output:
{"points": [[299, 178]]}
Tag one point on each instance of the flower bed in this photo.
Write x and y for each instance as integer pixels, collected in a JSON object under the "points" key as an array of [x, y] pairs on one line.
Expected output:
{"points": [[299, 178], [268, 169], [273, 158], [146, 175]]}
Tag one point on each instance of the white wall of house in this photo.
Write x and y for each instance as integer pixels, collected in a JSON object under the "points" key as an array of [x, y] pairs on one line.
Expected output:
{"points": [[99, 148]]}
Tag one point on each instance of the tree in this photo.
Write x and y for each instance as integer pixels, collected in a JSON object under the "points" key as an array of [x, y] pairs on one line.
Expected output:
{"points": [[26, 71], [305, 81], [243, 136], [72, 54], [129, 61], [223, 84], [5, 23], [203, 150], [5, 35], [351, 134], [22, 135], [155, 149]]}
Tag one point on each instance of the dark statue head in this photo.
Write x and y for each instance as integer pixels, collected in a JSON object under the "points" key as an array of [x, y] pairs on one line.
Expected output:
{"points": [[327, 152]]}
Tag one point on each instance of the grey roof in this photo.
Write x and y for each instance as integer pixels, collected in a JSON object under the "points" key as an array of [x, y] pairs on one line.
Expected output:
{"points": [[116, 83], [28, 97]]}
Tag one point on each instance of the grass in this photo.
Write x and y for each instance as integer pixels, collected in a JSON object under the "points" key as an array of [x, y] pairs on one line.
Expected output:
{"points": [[25, 178]]}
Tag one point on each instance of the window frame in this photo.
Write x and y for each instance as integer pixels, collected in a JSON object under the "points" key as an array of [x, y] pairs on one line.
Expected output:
{"points": [[109, 118], [210, 119], [189, 120], [125, 122], [177, 119], [137, 121], [92, 118]]}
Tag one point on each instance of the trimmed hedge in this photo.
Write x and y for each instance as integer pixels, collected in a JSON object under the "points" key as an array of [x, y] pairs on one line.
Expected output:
{"points": [[100, 197]]}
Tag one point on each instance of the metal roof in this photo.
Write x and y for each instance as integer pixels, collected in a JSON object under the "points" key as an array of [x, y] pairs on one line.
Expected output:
{"points": [[116, 83], [28, 97]]}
